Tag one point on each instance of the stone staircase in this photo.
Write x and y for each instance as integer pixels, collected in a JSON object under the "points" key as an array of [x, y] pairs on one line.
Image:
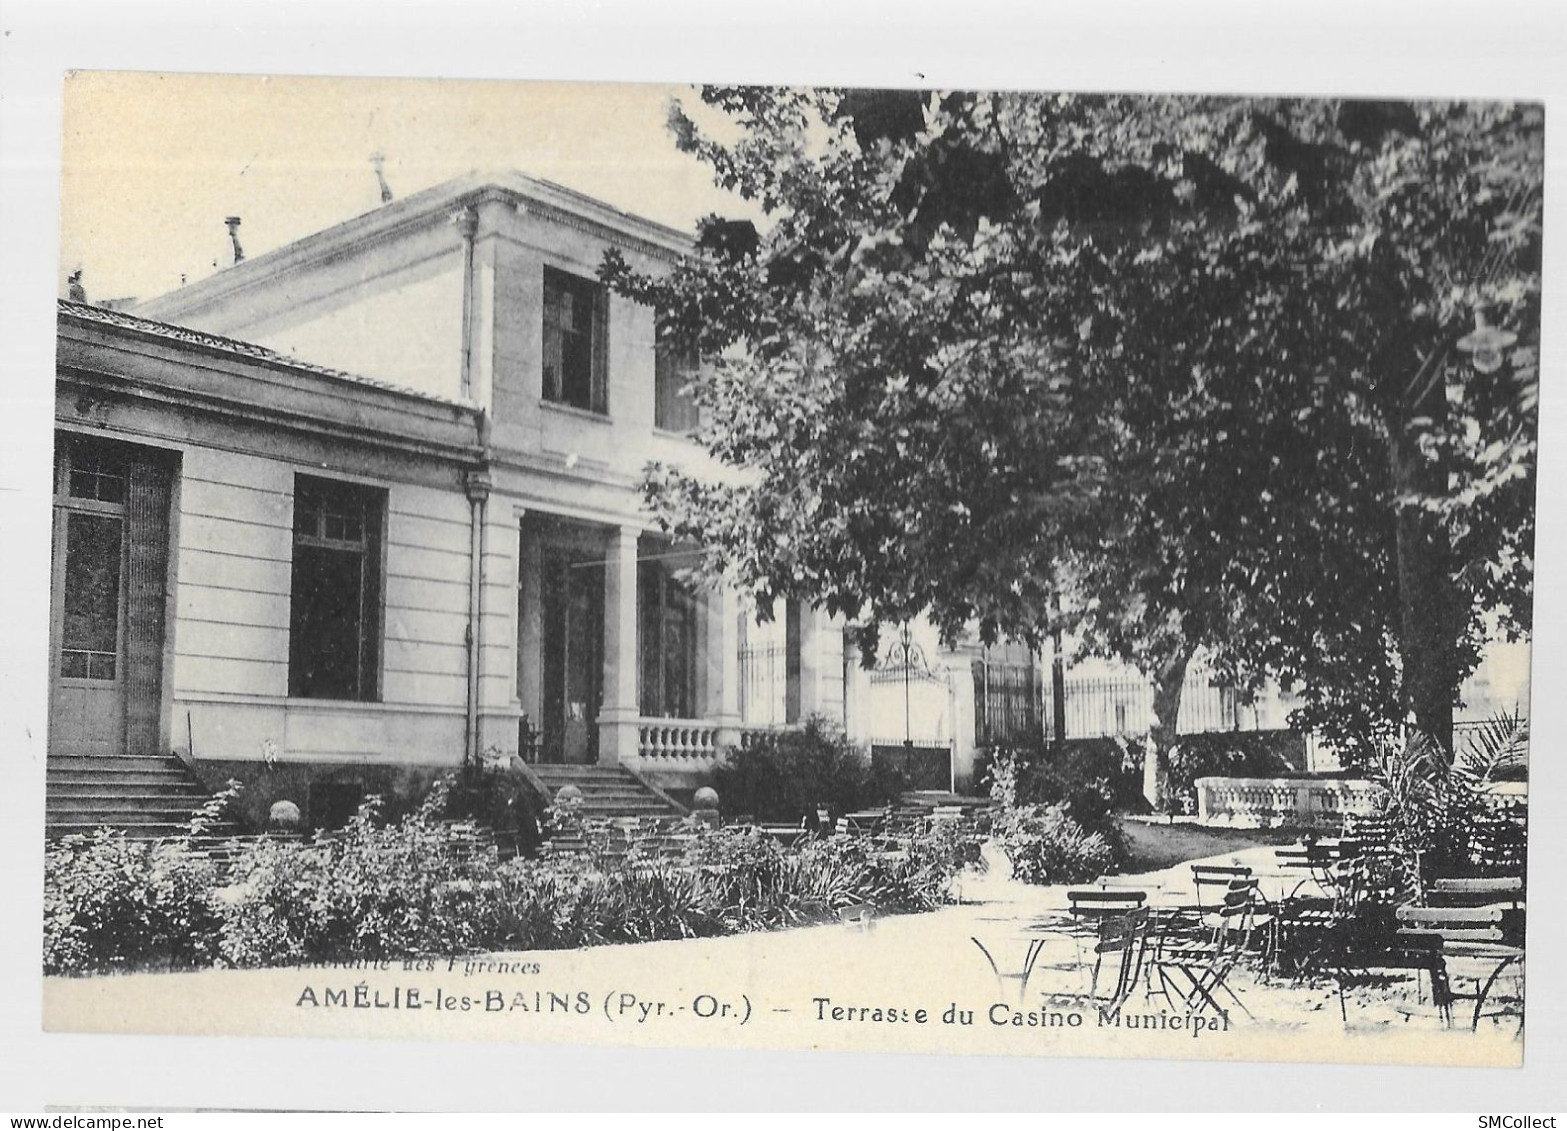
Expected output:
{"points": [[607, 791], [145, 796]]}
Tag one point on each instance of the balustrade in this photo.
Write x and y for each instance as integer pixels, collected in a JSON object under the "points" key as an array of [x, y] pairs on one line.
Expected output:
{"points": [[666, 741], [1272, 802]]}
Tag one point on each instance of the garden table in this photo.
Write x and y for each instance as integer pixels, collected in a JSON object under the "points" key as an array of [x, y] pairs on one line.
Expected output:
{"points": [[1014, 949], [1031, 948]]}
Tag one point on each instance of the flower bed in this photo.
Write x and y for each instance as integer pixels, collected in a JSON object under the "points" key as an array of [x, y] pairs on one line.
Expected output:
{"points": [[418, 887]]}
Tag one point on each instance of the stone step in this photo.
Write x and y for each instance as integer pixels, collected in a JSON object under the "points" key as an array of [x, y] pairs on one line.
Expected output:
{"points": [[136, 830], [594, 790], [128, 770], [74, 779], [148, 795], [113, 761], [93, 802], [607, 791], [646, 804], [130, 783], [116, 818], [581, 772]]}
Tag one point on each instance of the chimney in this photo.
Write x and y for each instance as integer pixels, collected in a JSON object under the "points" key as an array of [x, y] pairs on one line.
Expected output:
{"points": [[77, 292], [378, 163], [233, 226]]}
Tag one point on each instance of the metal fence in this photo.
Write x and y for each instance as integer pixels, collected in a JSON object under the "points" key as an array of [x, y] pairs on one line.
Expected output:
{"points": [[764, 683], [1105, 706], [1009, 703]]}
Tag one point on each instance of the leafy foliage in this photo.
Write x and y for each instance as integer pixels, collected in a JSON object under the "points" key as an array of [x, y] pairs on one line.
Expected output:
{"points": [[113, 903], [499, 799], [418, 887], [1188, 365], [785, 775], [1239, 754], [1053, 830], [1094, 779], [1442, 816], [1045, 846]]}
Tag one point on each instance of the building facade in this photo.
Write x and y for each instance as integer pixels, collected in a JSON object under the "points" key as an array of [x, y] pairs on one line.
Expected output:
{"points": [[449, 558], [254, 558], [373, 500]]}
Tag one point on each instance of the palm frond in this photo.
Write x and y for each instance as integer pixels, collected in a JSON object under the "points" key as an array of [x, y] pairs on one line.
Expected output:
{"points": [[1499, 744]]}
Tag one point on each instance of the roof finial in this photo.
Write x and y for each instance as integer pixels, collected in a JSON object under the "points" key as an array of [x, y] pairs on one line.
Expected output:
{"points": [[378, 163], [77, 292]]}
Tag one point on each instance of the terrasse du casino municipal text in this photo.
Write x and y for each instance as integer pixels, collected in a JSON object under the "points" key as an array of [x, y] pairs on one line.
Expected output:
{"points": [[621, 1006]]}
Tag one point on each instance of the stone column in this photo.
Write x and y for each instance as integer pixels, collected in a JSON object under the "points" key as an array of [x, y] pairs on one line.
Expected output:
{"points": [[810, 662], [960, 678], [856, 692], [618, 737], [498, 701], [723, 666]]}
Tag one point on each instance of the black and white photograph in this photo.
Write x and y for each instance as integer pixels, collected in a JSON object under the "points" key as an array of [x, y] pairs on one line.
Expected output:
{"points": [[935, 569]]}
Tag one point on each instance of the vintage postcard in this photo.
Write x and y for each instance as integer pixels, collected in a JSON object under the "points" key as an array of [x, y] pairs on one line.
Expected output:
{"points": [[923, 570]]}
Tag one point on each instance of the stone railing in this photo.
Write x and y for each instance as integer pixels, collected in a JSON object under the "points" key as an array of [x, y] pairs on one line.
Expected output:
{"points": [[750, 735], [1260, 803], [677, 743]]}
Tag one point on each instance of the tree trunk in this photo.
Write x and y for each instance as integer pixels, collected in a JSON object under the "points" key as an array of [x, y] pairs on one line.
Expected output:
{"points": [[1169, 680], [1428, 624]]}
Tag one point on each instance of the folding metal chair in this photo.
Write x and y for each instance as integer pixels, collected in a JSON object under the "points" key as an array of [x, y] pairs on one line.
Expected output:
{"points": [[1214, 879], [1124, 940], [1467, 933], [1195, 968]]}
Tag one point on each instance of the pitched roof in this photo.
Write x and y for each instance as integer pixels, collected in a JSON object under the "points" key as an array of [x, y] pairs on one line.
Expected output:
{"points": [[236, 348]]}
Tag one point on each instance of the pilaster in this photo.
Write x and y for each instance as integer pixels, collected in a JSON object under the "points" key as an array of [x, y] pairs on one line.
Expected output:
{"points": [[618, 736]]}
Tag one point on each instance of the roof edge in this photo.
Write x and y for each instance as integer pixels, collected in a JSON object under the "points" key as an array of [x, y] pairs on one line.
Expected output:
{"points": [[651, 236], [120, 320]]}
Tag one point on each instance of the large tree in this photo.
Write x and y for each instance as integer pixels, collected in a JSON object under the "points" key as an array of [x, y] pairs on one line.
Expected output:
{"points": [[1188, 369]]}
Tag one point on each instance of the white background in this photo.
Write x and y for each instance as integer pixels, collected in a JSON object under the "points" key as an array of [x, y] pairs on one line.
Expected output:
{"points": [[1490, 49]]}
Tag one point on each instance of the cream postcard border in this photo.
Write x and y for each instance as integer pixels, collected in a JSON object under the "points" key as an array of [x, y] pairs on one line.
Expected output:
{"points": [[1394, 49]]}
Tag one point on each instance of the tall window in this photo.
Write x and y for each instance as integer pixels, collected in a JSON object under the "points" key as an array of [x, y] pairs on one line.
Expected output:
{"points": [[670, 622], [334, 643], [673, 408], [576, 314]]}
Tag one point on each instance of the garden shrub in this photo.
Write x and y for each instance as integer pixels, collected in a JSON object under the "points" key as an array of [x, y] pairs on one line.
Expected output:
{"points": [[499, 799], [111, 902], [114, 902], [1095, 778], [419, 887], [785, 775], [1235, 754], [1046, 846], [1439, 808], [372, 890], [1085, 783]]}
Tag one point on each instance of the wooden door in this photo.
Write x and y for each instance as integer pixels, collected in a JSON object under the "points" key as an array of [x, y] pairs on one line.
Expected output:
{"points": [[88, 708], [110, 557]]}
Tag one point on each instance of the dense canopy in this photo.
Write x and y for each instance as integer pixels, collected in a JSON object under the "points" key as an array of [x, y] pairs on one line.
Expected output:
{"points": [[1255, 377]]}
